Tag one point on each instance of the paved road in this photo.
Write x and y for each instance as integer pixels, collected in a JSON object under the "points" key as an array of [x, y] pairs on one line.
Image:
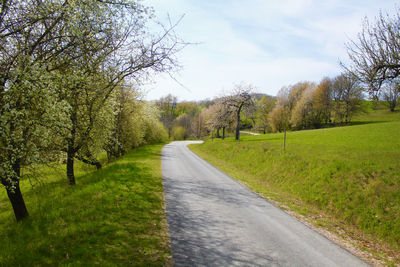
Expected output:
{"points": [[249, 133], [215, 221]]}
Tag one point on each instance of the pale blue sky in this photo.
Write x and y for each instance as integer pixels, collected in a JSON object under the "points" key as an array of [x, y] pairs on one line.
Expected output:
{"points": [[267, 43]]}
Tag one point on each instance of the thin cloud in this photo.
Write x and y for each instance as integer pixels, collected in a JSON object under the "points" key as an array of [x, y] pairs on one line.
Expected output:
{"points": [[267, 43]]}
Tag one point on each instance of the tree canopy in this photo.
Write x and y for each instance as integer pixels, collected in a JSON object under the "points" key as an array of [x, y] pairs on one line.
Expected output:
{"points": [[60, 63], [375, 55]]}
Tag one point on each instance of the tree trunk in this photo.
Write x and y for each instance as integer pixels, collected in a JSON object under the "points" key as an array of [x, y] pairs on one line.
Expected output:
{"points": [[393, 104], [218, 136], [70, 167], [17, 202], [97, 164], [223, 133], [347, 112], [71, 149], [15, 196], [237, 133]]}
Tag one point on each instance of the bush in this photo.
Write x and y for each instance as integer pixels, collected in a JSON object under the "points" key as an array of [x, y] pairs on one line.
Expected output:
{"points": [[178, 133]]}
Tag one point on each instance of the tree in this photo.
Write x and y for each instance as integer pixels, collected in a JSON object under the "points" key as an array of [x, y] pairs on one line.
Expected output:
{"points": [[60, 59], [263, 107], [187, 113], [219, 116], [279, 118], [239, 99], [313, 108], [303, 112], [29, 40], [114, 46], [154, 130], [125, 131], [287, 99], [375, 55], [198, 124], [346, 95], [322, 102], [289, 96], [390, 94], [178, 133], [167, 106]]}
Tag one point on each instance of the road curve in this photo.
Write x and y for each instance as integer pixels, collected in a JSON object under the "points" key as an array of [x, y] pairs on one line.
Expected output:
{"points": [[215, 221]]}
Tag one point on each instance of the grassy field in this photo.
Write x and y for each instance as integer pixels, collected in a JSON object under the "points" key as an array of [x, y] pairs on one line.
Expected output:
{"points": [[113, 216], [350, 174]]}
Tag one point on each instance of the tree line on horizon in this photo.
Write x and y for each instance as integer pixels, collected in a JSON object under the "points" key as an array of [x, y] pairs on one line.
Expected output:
{"points": [[304, 105]]}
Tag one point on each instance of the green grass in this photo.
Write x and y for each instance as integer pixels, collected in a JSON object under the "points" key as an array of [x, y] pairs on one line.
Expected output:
{"points": [[351, 173], [114, 216]]}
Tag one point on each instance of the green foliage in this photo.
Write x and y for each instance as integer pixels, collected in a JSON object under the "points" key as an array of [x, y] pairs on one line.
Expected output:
{"points": [[350, 173], [278, 118], [155, 132], [263, 107], [184, 114], [178, 133], [113, 216], [191, 109], [60, 63], [134, 123]]}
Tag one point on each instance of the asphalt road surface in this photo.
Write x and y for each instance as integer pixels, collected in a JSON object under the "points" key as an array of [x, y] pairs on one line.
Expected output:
{"points": [[215, 221]]}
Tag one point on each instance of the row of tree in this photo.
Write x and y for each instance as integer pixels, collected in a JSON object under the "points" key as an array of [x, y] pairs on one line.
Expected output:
{"points": [[67, 69], [308, 105], [304, 105]]}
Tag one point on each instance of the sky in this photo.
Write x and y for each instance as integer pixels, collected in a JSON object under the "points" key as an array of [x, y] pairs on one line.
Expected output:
{"points": [[266, 43]]}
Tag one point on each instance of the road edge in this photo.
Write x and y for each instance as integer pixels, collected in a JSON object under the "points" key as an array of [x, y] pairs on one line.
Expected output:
{"points": [[348, 243]]}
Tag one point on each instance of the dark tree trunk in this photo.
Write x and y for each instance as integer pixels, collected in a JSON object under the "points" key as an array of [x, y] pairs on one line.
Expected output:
{"points": [[223, 133], [218, 135], [17, 202], [15, 196], [70, 167], [91, 161], [97, 164], [393, 104], [71, 150], [237, 133]]}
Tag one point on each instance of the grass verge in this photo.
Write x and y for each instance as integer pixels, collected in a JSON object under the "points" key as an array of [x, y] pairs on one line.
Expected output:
{"points": [[343, 177], [114, 216]]}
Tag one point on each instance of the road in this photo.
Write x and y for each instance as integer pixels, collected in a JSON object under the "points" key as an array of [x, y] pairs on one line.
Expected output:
{"points": [[215, 221], [249, 133]]}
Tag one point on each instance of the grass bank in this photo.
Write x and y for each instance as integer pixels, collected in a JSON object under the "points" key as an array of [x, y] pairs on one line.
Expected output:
{"points": [[351, 175], [113, 216]]}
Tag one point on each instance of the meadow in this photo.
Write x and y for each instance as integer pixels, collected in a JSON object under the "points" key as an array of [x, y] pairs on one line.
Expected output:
{"points": [[113, 216], [346, 178]]}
